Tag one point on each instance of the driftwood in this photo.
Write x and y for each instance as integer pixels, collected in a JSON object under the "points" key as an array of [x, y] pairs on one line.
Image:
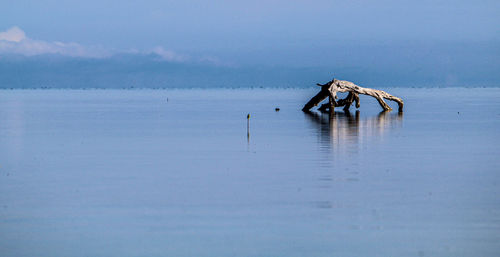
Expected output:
{"points": [[331, 88]]}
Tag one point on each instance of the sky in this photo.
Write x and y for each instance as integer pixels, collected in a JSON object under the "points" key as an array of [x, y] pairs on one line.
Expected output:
{"points": [[273, 33]]}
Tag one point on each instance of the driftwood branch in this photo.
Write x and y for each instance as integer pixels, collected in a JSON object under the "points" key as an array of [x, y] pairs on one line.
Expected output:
{"points": [[331, 88]]}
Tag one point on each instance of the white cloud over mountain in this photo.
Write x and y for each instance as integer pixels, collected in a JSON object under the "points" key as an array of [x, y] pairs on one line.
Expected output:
{"points": [[13, 34], [15, 41], [169, 55]]}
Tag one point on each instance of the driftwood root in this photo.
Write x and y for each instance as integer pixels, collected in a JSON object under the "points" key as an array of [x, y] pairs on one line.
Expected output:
{"points": [[331, 88]]}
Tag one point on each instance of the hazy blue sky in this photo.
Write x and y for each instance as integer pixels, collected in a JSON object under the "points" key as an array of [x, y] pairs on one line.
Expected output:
{"points": [[222, 27], [259, 33]]}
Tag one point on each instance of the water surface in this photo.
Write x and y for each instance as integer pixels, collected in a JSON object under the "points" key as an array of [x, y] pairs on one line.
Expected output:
{"points": [[174, 173]]}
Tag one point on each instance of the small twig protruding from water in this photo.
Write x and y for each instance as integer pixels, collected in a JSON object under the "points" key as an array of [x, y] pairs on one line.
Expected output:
{"points": [[248, 127]]}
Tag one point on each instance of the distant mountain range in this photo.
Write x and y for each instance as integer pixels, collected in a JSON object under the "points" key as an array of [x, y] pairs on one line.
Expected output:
{"points": [[446, 66]]}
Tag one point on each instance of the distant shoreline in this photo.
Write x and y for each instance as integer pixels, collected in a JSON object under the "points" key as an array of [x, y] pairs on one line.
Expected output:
{"points": [[230, 88]]}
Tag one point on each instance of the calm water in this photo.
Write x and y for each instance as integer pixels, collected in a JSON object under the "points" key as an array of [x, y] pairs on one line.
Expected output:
{"points": [[174, 173]]}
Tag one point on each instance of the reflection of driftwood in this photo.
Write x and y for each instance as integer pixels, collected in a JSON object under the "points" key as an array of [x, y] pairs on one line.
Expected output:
{"points": [[338, 128], [331, 88]]}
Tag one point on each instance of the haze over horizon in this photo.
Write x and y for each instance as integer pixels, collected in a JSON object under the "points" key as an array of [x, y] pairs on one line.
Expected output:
{"points": [[449, 43]]}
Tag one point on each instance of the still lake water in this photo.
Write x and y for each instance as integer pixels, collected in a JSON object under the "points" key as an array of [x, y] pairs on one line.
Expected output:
{"points": [[174, 173]]}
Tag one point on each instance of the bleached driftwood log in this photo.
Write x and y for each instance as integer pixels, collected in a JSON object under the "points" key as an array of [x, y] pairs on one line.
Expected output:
{"points": [[331, 88]]}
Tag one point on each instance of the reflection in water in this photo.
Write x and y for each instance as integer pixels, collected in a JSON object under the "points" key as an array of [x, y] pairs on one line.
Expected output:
{"points": [[339, 129], [344, 136]]}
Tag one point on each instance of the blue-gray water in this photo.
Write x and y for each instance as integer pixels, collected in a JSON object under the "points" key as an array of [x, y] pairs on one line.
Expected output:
{"points": [[173, 173]]}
